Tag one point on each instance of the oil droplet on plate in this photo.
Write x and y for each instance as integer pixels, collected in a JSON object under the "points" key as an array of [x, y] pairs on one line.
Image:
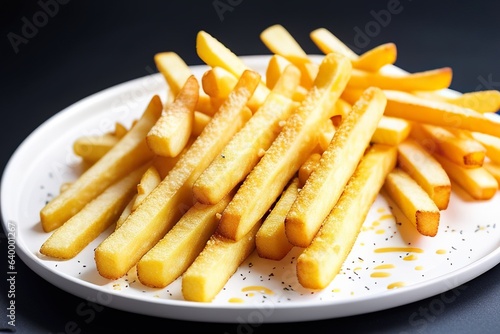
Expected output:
{"points": [[385, 266], [380, 231], [441, 251], [258, 288], [399, 249], [235, 300], [395, 285], [419, 268], [386, 217], [380, 274], [411, 257]]}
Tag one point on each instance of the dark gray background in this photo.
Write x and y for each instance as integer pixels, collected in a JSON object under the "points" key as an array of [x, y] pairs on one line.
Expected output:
{"points": [[91, 45]]}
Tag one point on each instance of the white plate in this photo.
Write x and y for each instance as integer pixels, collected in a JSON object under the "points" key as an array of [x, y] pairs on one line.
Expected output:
{"points": [[261, 290]]}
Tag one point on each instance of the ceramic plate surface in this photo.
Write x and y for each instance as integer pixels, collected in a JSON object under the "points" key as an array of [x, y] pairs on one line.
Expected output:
{"points": [[390, 264]]}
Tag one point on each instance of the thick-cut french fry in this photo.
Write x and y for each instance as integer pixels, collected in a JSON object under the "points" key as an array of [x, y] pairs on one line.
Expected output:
{"points": [[288, 151], [81, 229], [271, 241], [376, 58], [427, 80], [477, 182], [200, 121], [215, 265], [410, 107], [92, 148], [245, 149], [413, 201], [125, 156], [216, 54], [466, 152], [279, 41], [275, 68], [320, 262], [484, 101], [218, 82], [171, 132], [177, 250], [175, 72], [494, 169], [326, 183], [414, 159], [328, 42], [391, 131], [307, 167], [326, 134], [149, 180], [125, 212], [159, 211], [490, 143]]}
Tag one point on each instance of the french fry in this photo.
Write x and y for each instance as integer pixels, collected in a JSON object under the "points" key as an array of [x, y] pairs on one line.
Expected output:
{"points": [[413, 201], [410, 107], [391, 131], [307, 167], [125, 156], [159, 211], [171, 132], [376, 58], [245, 149], [494, 169], [82, 228], [328, 42], [427, 80], [326, 134], [125, 212], [320, 262], [149, 180], [326, 183], [215, 265], [275, 68], [271, 241], [200, 121], [288, 151], [490, 143], [477, 182], [414, 159], [217, 82], [175, 72], [484, 101], [92, 148], [177, 250], [466, 152], [216, 54], [279, 41]]}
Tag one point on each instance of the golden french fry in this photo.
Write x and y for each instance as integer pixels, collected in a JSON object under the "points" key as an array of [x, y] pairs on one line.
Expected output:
{"points": [[466, 152], [149, 180], [490, 143], [484, 101], [215, 265], [307, 167], [271, 241], [200, 121], [414, 159], [218, 82], [494, 169], [245, 149], [328, 42], [125, 212], [477, 182], [216, 54], [177, 250], [326, 134], [159, 211], [297, 139], [410, 107], [171, 132], [326, 183], [391, 131], [413, 201], [81, 229], [279, 41], [92, 148], [427, 80], [320, 262], [376, 58], [126, 155]]}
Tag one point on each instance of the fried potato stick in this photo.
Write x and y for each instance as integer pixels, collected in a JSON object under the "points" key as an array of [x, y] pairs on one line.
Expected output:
{"points": [[125, 156], [320, 262], [288, 151], [159, 211], [326, 183]]}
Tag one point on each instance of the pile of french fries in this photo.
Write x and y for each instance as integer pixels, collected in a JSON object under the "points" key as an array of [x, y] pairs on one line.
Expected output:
{"points": [[237, 161]]}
